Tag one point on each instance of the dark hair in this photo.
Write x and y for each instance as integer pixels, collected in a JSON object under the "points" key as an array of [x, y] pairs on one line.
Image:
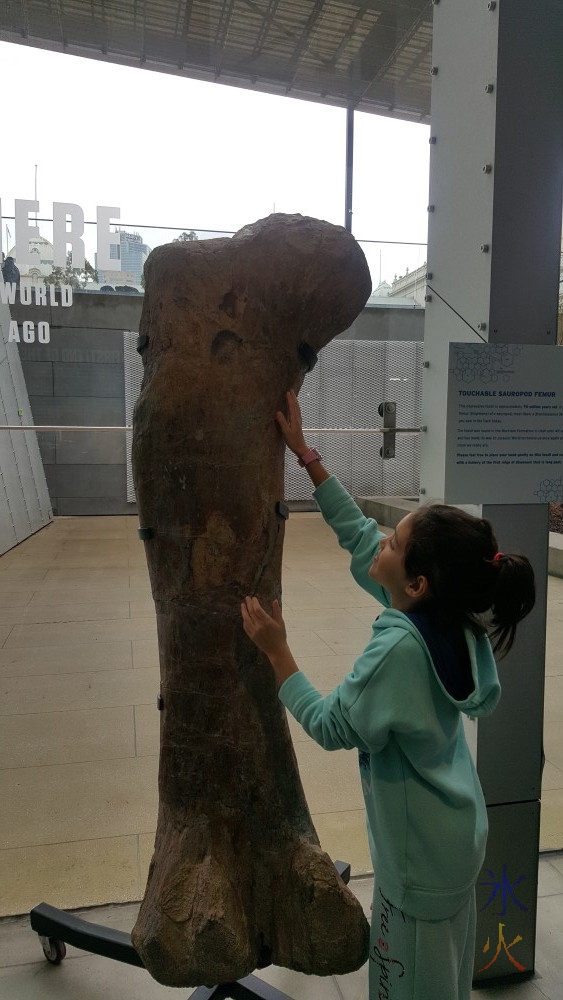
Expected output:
{"points": [[456, 553]]}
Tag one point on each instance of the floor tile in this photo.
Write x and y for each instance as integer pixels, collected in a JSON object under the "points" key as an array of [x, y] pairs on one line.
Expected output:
{"points": [[553, 743], [351, 641], [4, 633], [550, 879], [317, 619], [146, 850], [14, 574], [147, 730], [525, 990], [553, 711], [66, 659], [145, 653], [86, 632], [325, 672], [551, 819], [331, 784], [143, 608], [304, 643], [66, 737], [343, 836], [99, 689], [68, 802], [299, 987], [39, 614], [87, 977], [552, 776], [15, 597], [548, 949], [96, 593], [69, 875]]}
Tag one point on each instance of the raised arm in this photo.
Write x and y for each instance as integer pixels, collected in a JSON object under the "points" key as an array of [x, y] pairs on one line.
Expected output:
{"points": [[358, 534], [292, 430]]}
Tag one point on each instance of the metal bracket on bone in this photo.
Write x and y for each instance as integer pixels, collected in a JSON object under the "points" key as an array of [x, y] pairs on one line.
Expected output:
{"points": [[388, 410], [145, 533], [308, 356], [142, 343], [282, 510]]}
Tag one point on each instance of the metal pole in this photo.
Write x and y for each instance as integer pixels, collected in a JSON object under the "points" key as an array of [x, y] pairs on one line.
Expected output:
{"points": [[349, 168]]}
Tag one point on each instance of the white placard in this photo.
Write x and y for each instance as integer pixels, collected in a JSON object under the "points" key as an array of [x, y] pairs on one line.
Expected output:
{"points": [[504, 440]]}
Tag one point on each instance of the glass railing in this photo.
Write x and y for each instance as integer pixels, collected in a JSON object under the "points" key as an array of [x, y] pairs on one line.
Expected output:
{"points": [[391, 262]]}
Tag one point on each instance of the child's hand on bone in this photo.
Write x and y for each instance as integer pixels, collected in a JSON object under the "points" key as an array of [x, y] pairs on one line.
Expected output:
{"points": [[291, 426], [266, 631], [269, 634]]}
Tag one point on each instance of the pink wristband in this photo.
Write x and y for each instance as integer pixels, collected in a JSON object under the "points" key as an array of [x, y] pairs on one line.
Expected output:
{"points": [[312, 455]]}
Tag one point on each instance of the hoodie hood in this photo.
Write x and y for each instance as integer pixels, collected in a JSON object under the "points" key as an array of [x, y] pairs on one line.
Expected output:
{"points": [[447, 653]]}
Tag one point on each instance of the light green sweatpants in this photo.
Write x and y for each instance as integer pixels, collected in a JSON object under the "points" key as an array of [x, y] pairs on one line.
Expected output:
{"points": [[420, 959]]}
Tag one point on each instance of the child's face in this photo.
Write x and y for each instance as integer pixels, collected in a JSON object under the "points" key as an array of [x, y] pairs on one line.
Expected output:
{"points": [[388, 567]]}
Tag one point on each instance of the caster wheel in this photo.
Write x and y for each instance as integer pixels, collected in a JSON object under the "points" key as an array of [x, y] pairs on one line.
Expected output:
{"points": [[54, 950]]}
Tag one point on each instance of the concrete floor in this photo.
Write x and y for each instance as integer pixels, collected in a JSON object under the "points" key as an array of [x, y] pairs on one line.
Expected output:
{"points": [[79, 744]]}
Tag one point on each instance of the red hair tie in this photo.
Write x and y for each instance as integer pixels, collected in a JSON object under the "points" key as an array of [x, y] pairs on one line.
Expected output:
{"points": [[497, 556]]}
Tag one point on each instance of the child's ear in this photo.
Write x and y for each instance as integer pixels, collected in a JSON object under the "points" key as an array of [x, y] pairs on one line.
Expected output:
{"points": [[417, 588]]}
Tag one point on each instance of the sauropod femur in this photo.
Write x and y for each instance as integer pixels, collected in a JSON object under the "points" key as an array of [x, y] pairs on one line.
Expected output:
{"points": [[238, 878]]}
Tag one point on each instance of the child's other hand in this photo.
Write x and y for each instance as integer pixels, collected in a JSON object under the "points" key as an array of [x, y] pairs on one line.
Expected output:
{"points": [[266, 631], [291, 426]]}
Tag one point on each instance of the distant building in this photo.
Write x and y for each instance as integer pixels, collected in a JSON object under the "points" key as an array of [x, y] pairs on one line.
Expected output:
{"points": [[132, 253], [411, 286], [42, 257]]}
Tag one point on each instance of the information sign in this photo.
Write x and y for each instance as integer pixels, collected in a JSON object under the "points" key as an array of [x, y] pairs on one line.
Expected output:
{"points": [[504, 439]]}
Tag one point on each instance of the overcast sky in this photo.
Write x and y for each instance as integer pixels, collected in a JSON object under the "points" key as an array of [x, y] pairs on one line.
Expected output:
{"points": [[175, 152]]}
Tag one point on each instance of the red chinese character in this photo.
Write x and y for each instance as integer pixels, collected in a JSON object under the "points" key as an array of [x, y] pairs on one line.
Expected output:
{"points": [[502, 944]]}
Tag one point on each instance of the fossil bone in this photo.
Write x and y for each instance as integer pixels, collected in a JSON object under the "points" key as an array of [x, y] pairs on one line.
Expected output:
{"points": [[238, 878]]}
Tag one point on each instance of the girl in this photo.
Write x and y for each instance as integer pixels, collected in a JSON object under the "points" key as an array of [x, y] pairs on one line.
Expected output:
{"points": [[428, 661]]}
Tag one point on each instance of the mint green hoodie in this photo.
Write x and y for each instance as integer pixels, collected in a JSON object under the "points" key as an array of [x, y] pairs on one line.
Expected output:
{"points": [[426, 815]]}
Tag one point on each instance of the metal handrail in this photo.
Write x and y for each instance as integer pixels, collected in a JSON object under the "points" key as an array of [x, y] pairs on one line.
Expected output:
{"points": [[307, 430]]}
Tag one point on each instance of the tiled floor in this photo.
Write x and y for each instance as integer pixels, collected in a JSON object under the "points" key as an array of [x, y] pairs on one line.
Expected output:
{"points": [[79, 745]]}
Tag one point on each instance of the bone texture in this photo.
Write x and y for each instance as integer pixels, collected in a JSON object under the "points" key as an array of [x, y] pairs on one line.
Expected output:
{"points": [[237, 879]]}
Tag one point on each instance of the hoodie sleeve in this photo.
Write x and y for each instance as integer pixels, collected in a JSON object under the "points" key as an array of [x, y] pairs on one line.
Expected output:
{"points": [[385, 692], [358, 534]]}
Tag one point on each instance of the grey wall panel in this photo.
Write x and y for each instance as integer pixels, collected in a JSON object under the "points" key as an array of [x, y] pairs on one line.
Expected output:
{"points": [[79, 410], [87, 379], [90, 481], [92, 311], [90, 448], [38, 377], [47, 450], [75, 346], [77, 379], [89, 311], [94, 506]]}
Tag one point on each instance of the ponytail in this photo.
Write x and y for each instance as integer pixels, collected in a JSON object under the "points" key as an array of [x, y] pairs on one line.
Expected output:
{"points": [[514, 596], [470, 582]]}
